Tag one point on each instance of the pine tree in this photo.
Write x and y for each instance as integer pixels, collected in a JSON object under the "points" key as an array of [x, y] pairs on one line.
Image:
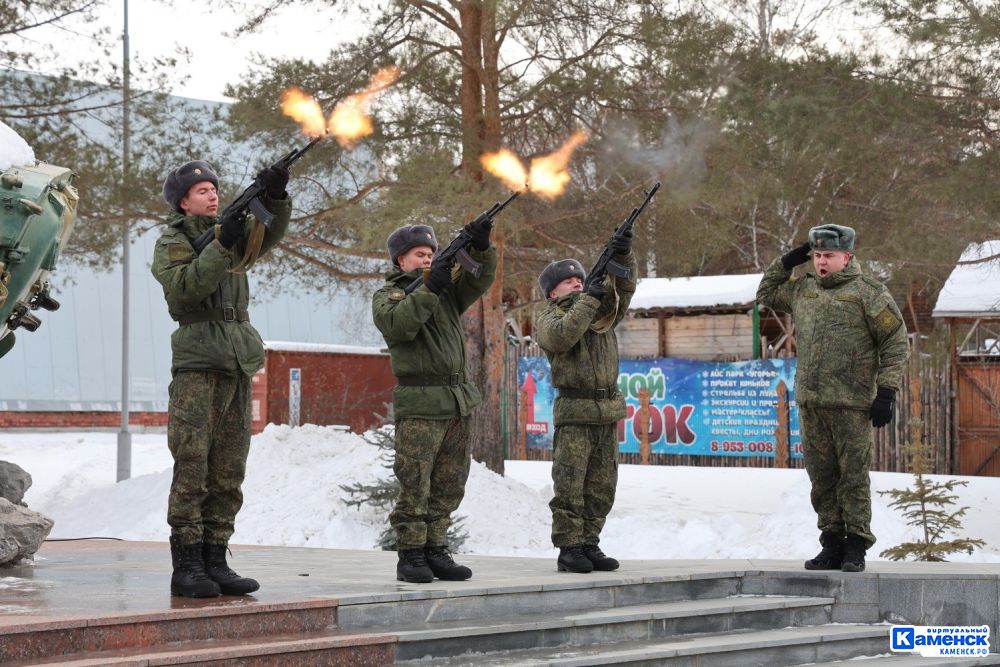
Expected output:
{"points": [[383, 493], [927, 506]]}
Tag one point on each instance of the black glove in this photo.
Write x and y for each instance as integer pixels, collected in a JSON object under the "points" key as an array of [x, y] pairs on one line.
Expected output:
{"points": [[795, 256], [439, 279], [274, 179], [233, 224], [479, 230], [881, 410], [597, 290], [622, 245]]}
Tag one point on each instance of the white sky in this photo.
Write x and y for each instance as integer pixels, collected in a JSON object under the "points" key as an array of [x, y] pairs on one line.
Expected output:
{"points": [[216, 59]]}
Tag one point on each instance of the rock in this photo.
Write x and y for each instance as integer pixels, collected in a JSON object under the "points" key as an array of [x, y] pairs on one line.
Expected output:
{"points": [[14, 482], [22, 532]]}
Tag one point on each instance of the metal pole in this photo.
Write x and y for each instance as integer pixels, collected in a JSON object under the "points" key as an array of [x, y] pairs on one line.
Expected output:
{"points": [[124, 437]]}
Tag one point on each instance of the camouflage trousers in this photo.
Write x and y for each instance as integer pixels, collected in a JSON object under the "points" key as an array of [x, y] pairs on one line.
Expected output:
{"points": [[837, 446], [432, 464], [584, 477], [208, 432]]}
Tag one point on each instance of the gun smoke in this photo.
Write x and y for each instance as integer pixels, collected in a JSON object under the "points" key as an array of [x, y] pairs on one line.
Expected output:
{"points": [[678, 156]]}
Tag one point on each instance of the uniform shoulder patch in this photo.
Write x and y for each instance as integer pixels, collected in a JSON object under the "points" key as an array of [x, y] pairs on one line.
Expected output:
{"points": [[396, 294], [178, 252], [886, 322]]}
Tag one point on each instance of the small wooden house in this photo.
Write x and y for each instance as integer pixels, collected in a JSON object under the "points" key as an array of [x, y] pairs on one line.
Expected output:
{"points": [[969, 304], [702, 317]]}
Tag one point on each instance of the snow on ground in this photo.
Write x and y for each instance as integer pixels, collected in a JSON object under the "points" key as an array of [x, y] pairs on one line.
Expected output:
{"points": [[293, 497], [14, 151]]}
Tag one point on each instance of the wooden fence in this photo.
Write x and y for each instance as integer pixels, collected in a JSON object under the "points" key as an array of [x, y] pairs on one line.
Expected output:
{"points": [[929, 366]]}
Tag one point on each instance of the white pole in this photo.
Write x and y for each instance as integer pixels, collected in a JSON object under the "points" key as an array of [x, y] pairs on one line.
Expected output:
{"points": [[124, 437]]}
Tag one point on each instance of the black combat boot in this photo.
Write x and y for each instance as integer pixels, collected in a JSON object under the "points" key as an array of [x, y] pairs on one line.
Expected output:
{"points": [[831, 555], [572, 559], [412, 567], [229, 582], [854, 553], [444, 566], [601, 561], [189, 578]]}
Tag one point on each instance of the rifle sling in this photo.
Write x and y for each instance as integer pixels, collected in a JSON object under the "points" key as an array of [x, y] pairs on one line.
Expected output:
{"points": [[252, 251]]}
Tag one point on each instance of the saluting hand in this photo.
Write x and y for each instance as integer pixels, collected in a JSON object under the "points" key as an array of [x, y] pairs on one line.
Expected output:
{"points": [[795, 256]]}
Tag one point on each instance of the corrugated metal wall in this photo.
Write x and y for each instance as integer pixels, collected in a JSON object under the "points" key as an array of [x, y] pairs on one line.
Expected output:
{"points": [[73, 361]]}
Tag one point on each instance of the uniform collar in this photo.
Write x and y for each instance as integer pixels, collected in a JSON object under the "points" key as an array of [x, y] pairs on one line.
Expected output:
{"points": [[191, 225], [850, 272], [567, 299], [396, 274]]}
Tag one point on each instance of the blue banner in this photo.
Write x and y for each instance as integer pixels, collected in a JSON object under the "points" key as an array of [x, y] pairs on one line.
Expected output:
{"points": [[695, 407]]}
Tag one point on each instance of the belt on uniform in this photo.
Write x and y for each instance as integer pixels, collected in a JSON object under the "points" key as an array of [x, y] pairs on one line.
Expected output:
{"points": [[452, 380], [591, 394], [214, 315]]}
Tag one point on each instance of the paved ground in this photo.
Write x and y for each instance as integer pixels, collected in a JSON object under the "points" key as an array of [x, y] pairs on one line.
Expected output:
{"points": [[96, 578]]}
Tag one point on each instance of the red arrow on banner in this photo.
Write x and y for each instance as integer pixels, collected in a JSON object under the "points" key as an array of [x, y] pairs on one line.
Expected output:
{"points": [[530, 389]]}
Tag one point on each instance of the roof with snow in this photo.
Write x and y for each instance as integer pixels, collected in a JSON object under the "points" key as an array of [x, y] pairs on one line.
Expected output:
{"points": [[323, 348], [737, 291], [973, 289]]}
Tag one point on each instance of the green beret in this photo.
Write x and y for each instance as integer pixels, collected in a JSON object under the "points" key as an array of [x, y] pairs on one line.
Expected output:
{"points": [[831, 237]]}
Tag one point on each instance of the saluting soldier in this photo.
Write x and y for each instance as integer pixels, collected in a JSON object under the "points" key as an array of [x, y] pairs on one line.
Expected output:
{"points": [[576, 332], [433, 398], [216, 351], [852, 350]]}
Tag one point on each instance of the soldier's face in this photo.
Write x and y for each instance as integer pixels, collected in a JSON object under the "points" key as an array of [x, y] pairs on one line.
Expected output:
{"points": [[830, 261], [201, 199], [419, 257], [566, 286]]}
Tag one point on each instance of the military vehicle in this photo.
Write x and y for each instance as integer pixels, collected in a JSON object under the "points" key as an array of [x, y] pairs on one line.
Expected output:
{"points": [[37, 212]]}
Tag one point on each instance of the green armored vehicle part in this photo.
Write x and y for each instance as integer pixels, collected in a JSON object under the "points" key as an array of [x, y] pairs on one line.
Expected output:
{"points": [[37, 212]]}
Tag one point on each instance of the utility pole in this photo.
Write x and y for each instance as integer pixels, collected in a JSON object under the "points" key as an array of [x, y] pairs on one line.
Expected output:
{"points": [[124, 437]]}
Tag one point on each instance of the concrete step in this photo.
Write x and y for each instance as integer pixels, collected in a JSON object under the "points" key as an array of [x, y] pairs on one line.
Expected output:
{"points": [[754, 648], [899, 660], [634, 623], [416, 604]]}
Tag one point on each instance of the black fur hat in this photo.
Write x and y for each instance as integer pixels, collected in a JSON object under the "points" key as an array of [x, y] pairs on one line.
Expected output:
{"points": [[558, 271], [410, 236], [180, 180]]}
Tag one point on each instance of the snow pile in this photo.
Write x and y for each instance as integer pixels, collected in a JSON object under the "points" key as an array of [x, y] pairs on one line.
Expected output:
{"points": [[293, 498], [14, 151]]}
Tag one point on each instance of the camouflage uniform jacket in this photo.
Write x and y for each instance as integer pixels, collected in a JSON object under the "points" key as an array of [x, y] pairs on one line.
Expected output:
{"points": [[426, 338], [582, 359], [193, 282], [849, 332]]}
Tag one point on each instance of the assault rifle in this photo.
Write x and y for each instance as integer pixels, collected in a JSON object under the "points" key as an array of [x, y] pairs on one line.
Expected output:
{"points": [[605, 264], [250, 201], [456, 250]]}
